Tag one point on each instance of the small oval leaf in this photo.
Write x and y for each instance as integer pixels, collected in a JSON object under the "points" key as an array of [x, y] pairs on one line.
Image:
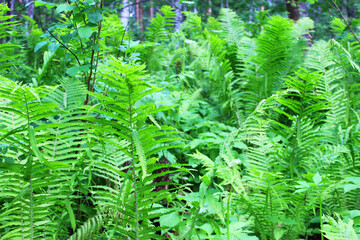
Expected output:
{"points": [[40, 45], [85, 32]]}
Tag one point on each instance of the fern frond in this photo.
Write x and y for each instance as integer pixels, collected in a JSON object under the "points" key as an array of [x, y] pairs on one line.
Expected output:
{"points": [[339, 230], [161, 25], [42, 138], [234, 29], [126, 159], [6, 49], [90, 227]]}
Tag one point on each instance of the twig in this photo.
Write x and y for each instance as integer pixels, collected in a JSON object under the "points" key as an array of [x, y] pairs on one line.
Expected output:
{"points": [[77, 59], [122, 39], [336, 7]]}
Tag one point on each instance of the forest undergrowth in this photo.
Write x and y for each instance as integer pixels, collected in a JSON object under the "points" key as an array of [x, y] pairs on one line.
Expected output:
{"points": [[221, 130]]}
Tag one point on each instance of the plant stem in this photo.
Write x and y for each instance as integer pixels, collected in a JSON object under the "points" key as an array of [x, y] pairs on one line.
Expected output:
{"points": [[62, 44], [133, 163], [228, 214]]}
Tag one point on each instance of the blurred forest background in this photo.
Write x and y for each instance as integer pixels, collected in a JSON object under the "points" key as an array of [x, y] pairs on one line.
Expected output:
{"points": [[138, 13]]}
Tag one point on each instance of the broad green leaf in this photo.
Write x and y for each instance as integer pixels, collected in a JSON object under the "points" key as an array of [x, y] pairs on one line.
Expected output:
{"points": [[39, 3], [84, 68], [317, 178], [90, 2], [66, 38], [85, 32], [39, 45], [72, 71], [278, 233], [94, 17], [71, 215], [78, 18], [355, 180], [170, 220], [349, 187], [95, 47], [64, 7], [53, 47]]}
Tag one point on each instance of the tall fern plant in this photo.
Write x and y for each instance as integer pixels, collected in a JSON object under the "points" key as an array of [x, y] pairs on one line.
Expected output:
{"points": [[127, 191], [41, 140]]}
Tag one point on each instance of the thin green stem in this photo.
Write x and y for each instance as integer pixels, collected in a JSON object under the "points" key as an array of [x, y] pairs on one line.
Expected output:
{"points": [[228, 214], [137, 230], [28, 172]]}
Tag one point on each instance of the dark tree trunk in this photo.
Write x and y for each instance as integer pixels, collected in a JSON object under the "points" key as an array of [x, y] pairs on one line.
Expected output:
{"points": [[292, 8]]}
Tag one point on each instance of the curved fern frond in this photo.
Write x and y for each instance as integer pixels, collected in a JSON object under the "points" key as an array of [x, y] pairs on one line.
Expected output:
{"points": [[161, 25]]}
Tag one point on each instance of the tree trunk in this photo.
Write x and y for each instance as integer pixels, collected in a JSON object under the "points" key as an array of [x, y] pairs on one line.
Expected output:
{"points": [[137, 11], [30, 8], [151, 9], [303, 9], [210, 9], [292, 8], [30, 13], [179, 17], [141, 17], [227, 4], [125, 13]]}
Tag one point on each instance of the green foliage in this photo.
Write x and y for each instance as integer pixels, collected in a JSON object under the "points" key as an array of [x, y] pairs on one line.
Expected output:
{"points": [[268, 137], [337, 230], [7, 50], [161, 25]]}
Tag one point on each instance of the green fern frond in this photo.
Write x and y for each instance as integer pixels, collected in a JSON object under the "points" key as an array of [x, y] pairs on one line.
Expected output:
{"points": [[90, 228], [277, 54], [126, 161], [161, 25], [6, 49], [234, 29], [339, 230], [41, 129], [337, 26]]}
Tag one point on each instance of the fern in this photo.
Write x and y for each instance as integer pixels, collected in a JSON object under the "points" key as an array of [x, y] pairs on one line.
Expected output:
{"points": [[38, 158], [277, 54], [129, 146], [234, 29], [339, 230], [161, 25], [6, 49]]}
